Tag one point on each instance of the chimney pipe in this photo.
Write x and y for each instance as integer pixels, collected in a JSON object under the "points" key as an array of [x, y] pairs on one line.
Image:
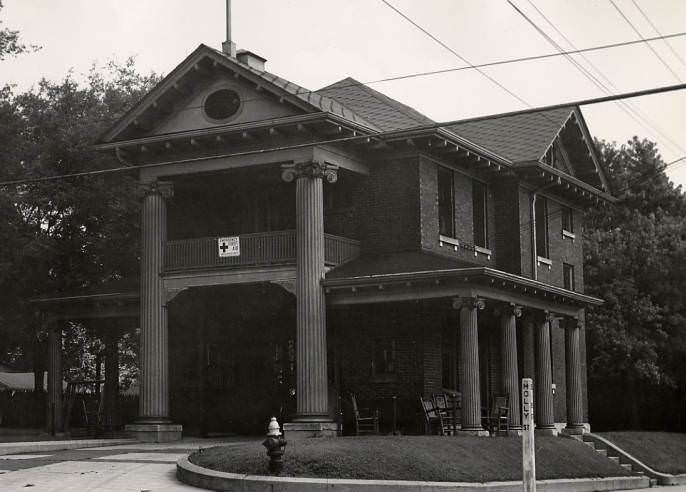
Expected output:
{"points": [[228, 46]]}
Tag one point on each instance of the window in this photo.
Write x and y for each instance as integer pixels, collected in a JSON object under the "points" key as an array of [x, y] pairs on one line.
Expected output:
{"points": [[446, 203], [222, 104], [480, 214], [384, 357], [567, 219], [568, 274], [542, 227]]}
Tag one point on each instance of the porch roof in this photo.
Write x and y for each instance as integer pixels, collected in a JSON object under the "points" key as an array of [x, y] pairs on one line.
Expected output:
{"points": [[405, 276]]}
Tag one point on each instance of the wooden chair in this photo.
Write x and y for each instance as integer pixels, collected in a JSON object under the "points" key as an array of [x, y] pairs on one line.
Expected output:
{"points": [[451, 415], [365, 424], [499, 416], [432, 417]]}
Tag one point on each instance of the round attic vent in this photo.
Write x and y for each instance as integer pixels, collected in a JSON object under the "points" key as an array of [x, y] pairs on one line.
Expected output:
{"points": [[222, 104]]}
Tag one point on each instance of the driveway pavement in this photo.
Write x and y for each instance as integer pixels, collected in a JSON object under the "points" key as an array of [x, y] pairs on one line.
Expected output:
{"points": [[131, 467]]}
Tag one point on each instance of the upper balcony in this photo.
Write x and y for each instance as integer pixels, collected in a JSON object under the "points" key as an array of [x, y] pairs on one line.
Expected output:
{"points": [[257, 249]]}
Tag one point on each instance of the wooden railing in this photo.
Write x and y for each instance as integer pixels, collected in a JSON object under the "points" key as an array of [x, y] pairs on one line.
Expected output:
{"points": [[264, 248]]}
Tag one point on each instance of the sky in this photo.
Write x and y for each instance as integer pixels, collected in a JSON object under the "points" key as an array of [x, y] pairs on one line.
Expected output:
{"points": [[316, 42]]}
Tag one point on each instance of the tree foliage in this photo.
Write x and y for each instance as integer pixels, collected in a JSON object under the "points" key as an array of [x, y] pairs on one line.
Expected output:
{"points": [[635, 259], [64, 234], [10, 43]]}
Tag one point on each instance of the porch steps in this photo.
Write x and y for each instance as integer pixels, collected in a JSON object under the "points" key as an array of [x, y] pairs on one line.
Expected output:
{"points": [[625, 460]]}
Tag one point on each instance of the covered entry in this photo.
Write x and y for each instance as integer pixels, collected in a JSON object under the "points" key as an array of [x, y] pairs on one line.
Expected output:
{"points": [[232, 357]]}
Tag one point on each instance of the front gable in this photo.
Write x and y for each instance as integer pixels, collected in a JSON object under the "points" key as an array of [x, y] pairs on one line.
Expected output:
{"points": [[177, 103]]}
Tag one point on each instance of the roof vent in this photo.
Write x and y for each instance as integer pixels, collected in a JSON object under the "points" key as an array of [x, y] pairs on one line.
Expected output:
{"points": [[251, 59]]}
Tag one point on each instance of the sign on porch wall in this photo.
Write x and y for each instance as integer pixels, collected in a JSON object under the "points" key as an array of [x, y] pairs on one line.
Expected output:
{"points": [[528, 449], [229, 246]]}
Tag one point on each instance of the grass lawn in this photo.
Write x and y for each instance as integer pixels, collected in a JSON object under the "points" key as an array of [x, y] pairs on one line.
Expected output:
{"points": [[663, 451], [426, 458]]}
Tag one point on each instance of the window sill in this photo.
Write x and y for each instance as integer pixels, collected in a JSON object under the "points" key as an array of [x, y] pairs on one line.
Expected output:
{"points": [[545, 261], [568, 234], [448, 240], [483, 251]]}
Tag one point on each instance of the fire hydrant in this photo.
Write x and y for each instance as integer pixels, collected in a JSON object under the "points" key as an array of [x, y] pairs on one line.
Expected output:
{"points": [[276, 446]]}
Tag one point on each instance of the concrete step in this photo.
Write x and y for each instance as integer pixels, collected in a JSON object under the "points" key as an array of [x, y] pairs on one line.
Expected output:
{"points": [[626, 466], [590, 444], [602, 451], [614, 458], [653, 482]]}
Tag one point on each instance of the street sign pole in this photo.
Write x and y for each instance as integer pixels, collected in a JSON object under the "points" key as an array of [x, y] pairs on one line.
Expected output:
{"points": [[528, 449]]}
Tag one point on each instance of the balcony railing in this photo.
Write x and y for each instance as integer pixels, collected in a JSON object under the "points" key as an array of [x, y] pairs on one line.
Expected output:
{"points": [[259, 249]]}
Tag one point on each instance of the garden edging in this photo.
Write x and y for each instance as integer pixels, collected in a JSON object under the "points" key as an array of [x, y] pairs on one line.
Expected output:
{"points": [[198, 476]]}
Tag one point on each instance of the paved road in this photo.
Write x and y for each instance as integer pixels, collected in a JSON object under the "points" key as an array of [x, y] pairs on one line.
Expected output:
{"points": [[131, 467]]}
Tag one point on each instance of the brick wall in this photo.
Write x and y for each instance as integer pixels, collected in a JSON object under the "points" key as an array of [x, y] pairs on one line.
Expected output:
{"points": [[464, 227], [387, 204]]}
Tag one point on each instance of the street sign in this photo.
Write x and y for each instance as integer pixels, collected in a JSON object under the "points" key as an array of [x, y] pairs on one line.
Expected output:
{"points": [[528, 449], [228, 246]]}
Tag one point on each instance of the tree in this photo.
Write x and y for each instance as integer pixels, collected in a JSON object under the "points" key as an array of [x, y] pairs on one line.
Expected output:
{"points": [[636, 260], [70, 233], [10, 44]]}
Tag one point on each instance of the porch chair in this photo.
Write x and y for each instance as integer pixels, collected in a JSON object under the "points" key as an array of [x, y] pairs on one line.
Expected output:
{"points": [[499, 416], [433, 422], [451, 415], [368, 424]]}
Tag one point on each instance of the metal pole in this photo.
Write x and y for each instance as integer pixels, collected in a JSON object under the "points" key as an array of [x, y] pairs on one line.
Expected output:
{"points": [[528, 449], [228, 21]]}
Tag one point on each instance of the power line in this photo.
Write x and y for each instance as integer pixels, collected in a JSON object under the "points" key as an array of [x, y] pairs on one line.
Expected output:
{"points": [[463, 59], [624, 106], [669, 45], [354, 138], [646, 43]]}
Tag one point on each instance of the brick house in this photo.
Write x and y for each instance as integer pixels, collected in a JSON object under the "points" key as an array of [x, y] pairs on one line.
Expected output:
{"points": [[300, 246]]}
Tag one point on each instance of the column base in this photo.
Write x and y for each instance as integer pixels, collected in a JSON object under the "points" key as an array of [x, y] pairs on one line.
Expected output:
{"points": [[306, 429], [154, 432], [474, 432], [546, 431], [514, 432], [573, 431]]}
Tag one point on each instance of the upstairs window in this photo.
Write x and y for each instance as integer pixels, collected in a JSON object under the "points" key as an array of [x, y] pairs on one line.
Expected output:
{"points": [[542, 246], [567, 219], [480, 214], [446, 203], [568, 276]]}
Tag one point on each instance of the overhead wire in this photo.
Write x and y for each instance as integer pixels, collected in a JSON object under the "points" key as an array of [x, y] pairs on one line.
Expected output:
{"points": [[662, 60], [667, 43], [623, 105]]}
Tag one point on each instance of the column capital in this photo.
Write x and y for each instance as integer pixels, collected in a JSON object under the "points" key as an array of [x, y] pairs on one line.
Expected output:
{"points": [[469, 303], [311, 169], [513, 309], [163, 188]]}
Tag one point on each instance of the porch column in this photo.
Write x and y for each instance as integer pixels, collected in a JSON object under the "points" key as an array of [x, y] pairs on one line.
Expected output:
{"points": [[311, 367], [510, 376], [54, 407], [529, 362], [111, 390], [575, 417], [469, 364], [153, 423], [545, 420]]}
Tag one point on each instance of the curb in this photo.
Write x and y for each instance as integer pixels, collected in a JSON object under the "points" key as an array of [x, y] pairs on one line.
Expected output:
{"points": [[198, 476], [43, 446]]}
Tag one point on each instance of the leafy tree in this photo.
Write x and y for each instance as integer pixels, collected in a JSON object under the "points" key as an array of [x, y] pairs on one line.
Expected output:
{"points": [[64, 234], [636, 261], [10, 44]]}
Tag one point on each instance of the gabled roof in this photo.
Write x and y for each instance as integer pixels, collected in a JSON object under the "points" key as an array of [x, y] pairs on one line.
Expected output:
{"points": [[304, 99], [382, 111], [521, 137]]}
